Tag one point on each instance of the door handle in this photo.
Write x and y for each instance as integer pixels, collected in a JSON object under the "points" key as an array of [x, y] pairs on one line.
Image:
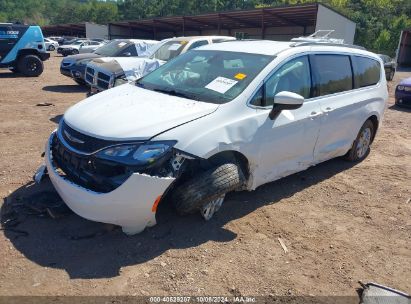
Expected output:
{"points": [[328, 109], [315, 114]]}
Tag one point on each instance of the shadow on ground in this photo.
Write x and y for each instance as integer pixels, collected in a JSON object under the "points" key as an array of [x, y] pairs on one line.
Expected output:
{"points": [[88, 249], [56, 119], [10, 74], [401, 109], [66, 88]]}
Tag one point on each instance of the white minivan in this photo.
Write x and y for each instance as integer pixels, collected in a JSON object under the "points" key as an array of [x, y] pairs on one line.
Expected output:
{"points": [[223, 117]]}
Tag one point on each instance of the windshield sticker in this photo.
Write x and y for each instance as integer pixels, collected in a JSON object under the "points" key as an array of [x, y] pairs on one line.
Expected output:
{"points": [[174, 47], [240, 76], [221, 84], [183, 42], [121, 44]]}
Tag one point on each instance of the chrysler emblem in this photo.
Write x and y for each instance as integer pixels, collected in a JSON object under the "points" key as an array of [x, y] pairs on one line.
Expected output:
{"points": [[72, 138]]}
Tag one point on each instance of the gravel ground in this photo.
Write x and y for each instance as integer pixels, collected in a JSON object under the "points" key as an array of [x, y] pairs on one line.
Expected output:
{"points": [[341, 222]]}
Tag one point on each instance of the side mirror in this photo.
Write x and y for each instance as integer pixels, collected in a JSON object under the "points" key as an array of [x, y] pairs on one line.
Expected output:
{"points": [[285, 101]]}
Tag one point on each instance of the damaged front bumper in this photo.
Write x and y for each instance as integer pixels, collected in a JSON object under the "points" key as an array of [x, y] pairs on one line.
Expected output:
{"points": [[132, 205]]}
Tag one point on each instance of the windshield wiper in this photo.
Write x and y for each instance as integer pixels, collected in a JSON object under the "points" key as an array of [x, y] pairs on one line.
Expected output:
{"points": [[176, 93]]}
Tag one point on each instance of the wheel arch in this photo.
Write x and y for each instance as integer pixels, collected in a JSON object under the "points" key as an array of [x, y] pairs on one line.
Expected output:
{"points": [[232, 156], [375, 121], [24, 52]]}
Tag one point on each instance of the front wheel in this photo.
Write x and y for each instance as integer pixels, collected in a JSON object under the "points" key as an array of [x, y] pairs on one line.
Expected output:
{"points": [[75, 52], [361, 145], [30, 65], [51, 48], [205, 192]]}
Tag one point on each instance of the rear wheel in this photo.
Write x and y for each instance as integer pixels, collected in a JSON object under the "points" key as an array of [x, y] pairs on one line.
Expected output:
{"points": [[361, 145], [30, 65], [205, 192]]}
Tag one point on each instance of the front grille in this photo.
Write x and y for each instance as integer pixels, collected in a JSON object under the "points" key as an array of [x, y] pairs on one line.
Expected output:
{"points": [[86, 170], [103, 81], [103, 76], [89, 75], [82, 142]]}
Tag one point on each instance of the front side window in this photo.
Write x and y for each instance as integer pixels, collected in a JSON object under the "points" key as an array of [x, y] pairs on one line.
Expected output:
{"points": [[334, 74], [209, 76], [367, 71], [113, 48], [198, 44], [169, 50], [129, 51], [294, 76]]}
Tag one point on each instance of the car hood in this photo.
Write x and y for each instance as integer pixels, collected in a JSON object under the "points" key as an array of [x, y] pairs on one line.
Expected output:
{"points": [[406, 81], [128, 112]]}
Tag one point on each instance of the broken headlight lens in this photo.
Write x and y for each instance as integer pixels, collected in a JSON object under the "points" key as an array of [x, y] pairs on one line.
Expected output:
{"points": [[137, 154]]}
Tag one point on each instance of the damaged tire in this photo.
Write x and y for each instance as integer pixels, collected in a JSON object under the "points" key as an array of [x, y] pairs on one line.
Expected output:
{"points": [[205, 187]]}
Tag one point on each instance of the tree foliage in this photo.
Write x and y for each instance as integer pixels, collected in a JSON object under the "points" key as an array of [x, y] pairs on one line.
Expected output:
{"points": [[379, 22]]}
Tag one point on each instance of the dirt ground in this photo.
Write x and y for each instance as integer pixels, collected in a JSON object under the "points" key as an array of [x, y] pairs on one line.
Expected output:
{"points": [[341, 222]]}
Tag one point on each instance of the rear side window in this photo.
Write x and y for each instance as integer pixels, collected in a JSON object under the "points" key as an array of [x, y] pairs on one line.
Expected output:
{"points": [[334, 74], [367, 71]]}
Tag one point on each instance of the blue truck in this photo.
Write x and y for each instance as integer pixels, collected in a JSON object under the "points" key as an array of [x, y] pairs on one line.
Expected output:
{"points": [[22, 49]]}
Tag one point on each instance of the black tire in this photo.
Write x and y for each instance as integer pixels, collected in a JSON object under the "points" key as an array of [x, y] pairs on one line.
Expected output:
{"points": [[204, 187], [74, 52], [354, 154], [30, 65]]}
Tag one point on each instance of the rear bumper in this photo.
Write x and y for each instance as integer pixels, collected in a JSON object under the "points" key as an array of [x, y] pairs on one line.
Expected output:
{"points": [[130, 206]]}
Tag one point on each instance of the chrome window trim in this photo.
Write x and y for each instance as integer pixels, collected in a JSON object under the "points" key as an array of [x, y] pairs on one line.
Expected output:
{"points": [[307, 53]]}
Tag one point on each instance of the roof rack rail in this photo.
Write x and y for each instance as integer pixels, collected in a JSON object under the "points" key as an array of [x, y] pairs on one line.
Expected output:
{"points": [[322, 37], [353, 46], [319, 36]]}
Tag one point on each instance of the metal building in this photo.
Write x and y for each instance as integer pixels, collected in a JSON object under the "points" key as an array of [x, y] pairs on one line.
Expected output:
{"points": [[273, 23], [83, 30]]}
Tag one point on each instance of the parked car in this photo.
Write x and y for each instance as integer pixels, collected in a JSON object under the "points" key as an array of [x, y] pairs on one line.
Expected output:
{"points": [[226, 116], [22, 49], [90, 46], [55, 38], [403, 93], [390, 66], [51, 45], [118, 71], [74, 47], [75, 66], [67, 40]]}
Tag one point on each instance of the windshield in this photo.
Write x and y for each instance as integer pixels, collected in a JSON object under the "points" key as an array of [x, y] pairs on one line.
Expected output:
{"points": [[210, 76], [169, 50], [111, 49]]}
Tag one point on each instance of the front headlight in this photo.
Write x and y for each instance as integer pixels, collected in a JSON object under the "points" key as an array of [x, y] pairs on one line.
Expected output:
{"points": [[137, 154], [400, 87]]}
